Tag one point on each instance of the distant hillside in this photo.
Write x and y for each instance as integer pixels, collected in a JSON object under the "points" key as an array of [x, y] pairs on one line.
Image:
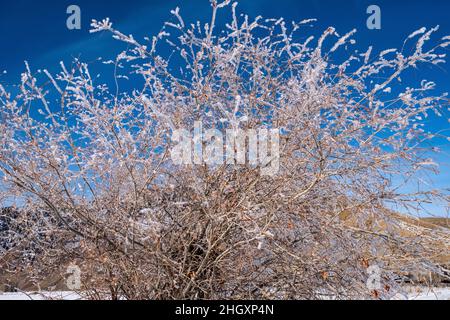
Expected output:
{"points": [[443, 222]]}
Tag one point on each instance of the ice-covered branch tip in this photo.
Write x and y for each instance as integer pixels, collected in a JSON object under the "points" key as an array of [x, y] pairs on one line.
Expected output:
{"points": [[98, 26]]}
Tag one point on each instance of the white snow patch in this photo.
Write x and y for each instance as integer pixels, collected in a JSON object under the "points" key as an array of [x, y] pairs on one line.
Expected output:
{"points": [[44, 295], [424, 293], [411, 293]]}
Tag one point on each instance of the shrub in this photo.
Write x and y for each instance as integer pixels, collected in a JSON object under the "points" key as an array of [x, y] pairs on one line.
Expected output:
{"points": [[145, 228]]}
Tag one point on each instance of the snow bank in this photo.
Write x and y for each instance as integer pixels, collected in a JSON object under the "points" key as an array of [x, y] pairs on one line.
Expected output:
{"points": [[424, 293], [411, 293], [44, 295]]}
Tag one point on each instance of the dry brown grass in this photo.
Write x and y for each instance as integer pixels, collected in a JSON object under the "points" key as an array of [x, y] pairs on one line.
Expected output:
{"points": [[442, 222]]}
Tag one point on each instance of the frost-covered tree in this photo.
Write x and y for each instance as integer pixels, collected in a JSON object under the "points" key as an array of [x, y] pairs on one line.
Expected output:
{"points": [[142, 227]]}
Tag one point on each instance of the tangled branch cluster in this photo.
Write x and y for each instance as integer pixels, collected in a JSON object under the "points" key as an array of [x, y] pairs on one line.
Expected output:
{"points": [[98, 163]]}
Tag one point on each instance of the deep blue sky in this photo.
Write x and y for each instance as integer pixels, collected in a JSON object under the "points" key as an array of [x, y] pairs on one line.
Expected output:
{"points": [[36, 31]]}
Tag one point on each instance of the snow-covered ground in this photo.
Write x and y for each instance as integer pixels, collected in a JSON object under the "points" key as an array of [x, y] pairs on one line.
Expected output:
{"points": [[56, 295], [424, 293], [413, 293]]}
